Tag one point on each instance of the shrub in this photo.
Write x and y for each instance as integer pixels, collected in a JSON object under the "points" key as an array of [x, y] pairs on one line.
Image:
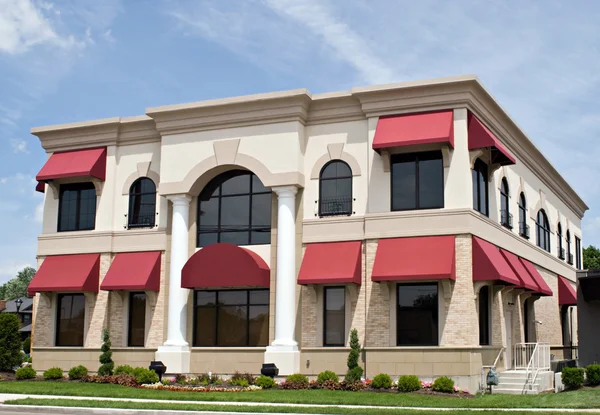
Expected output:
{"points": [[54, 373], [123, 370], [27, 345], [166, 381], [10, 339], [295, 381], [592, 372], [409, 383], [145, 376], [381, 381], [354, 375], [193, 381], [327, 375], [106, 357], [354, 350], [239, 382], [331, 384], [265, 382], [243, 376], [572, 377], [78, 372], [352, 386], [443, 384], [181, 379], [124, 380], [26, 372]]}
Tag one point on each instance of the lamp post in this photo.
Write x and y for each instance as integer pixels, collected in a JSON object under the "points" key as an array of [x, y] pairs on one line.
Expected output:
{"points": [[18, 304]]}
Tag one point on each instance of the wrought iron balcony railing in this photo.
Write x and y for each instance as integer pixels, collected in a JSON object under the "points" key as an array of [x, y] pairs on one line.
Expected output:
{"points": [[335, 206], [524, 230], [570, 258], [141, 221], [506, 219], [561, 253]]}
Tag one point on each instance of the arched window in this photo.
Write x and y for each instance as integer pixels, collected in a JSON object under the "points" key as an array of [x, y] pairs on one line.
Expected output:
{"points": [[335, 189], [480, 187], [523, 226], [505, 215], [142, 204], [234, 207], [561, 251], [569, 254], [543, 231], [484, 316]]}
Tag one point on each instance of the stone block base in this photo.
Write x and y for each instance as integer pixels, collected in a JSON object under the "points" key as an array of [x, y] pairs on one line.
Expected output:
{"points": [[175, 358], [285, 358]]}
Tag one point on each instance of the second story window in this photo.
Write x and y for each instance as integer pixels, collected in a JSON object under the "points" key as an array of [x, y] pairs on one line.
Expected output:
{"points": [[505, 215], [523, 226], [417, 181], [480, 187], [142, 204], [578, 253], [77, 207], [569, 254], [543, 231], [335, 189], [561, 250]]}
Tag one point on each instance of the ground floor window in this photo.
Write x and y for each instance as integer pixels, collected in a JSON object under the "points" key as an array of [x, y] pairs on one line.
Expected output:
{"points": [[137, 320], [334, 321], [70, 319], [228, 318], [417, 314], [484, 316]]}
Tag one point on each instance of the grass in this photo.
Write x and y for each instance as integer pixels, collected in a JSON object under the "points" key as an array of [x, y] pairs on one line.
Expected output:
{"points": [[585, 398], [232, 408]]}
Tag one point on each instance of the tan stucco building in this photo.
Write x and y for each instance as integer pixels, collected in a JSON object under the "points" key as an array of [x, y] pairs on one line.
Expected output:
{"points": [[222, 234]]}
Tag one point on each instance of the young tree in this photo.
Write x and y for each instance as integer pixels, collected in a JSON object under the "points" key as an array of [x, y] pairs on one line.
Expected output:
{"points": [[591, 257], [17, 287], [355, 372], [106, 357], [10, 342]]}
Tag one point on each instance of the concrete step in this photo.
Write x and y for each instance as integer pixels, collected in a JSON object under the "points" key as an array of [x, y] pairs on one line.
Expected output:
{"points": [[504, 391]]}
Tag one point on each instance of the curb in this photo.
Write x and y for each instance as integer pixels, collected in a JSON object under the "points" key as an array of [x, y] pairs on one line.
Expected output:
{"points": [[31, 409]]}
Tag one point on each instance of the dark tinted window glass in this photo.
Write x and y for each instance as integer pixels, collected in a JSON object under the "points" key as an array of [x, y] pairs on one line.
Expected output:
{"points": [[258, 325], [578, 252], [334, 321], [234, 213], [335, 189], [480, 187], [142, 203], [205, 328], [70, 320], [543, 231], [77, 207], [236, 185], [417, 315], [232, 328], [137, 319], [431, 184], [484, 316], [417, 181]]}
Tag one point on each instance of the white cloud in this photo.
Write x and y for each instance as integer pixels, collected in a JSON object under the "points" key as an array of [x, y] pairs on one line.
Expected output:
{"points": [[19, 146], [39, 213], [107, 35], [3, 180], [10, 268]]}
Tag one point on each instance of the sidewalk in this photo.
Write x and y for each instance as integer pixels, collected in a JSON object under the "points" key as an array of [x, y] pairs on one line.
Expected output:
{"points": [[6, 397]]}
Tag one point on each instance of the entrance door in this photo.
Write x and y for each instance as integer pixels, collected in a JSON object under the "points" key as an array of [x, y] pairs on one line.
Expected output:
{"points": [[508, 322]]}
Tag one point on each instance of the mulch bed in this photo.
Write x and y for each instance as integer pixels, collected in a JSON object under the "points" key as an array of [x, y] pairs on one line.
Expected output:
{"points": [[430, 392]]}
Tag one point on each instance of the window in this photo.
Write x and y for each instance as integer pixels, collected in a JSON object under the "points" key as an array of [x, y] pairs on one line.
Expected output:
{"points": [[417, 181], [26, 319], [578, 253], [335, 189], [70, 320], [484, 316], [505, 215], [137, 320], [523, 226], [142, 204], [569, 254], [543, 231], [561, 251], [480, 187], [77, 207], [234, 207], [417, 315], [231, 318], [334, 321]]}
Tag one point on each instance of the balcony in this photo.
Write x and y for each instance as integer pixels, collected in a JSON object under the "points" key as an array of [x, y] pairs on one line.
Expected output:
{"points": [[570, 258], [335, 206], [561, 253], [140, 221], [506, 219], [524, 230]]}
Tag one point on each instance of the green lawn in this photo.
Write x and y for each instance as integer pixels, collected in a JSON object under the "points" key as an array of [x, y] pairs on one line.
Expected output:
{"points": [[589, 398]]}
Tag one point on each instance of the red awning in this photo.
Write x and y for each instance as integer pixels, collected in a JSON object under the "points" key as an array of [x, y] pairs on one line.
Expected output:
{"points": [[225, 265], [78, 163], [414, 129], [566, 292], [481, 137], [535, 275], [522, 274], [490, 265], [67, 273], [332, 263], [40, 187], [418, 258], [133, 271]]}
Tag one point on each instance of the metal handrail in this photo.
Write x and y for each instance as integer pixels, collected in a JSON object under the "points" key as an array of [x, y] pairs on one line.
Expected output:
{"points": [[483, 367], [538, 359]]}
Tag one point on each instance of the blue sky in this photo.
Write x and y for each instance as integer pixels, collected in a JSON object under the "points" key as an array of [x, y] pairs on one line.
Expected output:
{"points": [[74, 60]]}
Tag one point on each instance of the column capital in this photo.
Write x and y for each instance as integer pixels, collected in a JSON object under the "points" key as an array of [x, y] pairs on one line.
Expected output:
{"points": [[285, 191], [180, 200]]}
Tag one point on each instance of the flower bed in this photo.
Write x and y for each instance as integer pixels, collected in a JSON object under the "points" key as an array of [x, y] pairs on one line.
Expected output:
{"points": [[188, 388]]}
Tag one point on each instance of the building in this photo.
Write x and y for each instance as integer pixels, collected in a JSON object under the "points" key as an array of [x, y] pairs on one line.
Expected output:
{"points": [[218, 235], [24, 313], [588, 307]]}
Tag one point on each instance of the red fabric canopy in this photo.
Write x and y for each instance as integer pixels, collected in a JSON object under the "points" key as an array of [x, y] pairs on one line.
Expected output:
{"points": [[67, 273], [535, 275], [40, 187], [413, 129], [481, 137], [566, 292], [332, 263], [225, 265], [418, 258], [77, 163], [522, 274], [133, 271], [490, 265]]}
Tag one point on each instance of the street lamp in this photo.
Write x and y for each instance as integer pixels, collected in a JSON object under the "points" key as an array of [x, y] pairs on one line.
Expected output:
{"points": [[18, 303]]}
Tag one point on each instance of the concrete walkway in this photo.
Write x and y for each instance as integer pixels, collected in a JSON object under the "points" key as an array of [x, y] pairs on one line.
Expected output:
{"points": [[7, 397]]}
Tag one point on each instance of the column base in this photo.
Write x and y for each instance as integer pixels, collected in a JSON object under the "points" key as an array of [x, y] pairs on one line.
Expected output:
{"points": [[175, 358], [286, 358]]}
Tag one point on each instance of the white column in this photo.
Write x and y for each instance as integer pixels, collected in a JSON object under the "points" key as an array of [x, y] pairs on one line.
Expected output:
{"points": [[175, 353], [284, 349]]}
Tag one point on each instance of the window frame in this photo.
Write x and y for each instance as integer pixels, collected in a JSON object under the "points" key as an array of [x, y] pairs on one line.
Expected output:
{"points": [[325, 289], [569, 255], [523, 226], [130, 318], [78, 187], [348, 203], [417, 158], [59, 297], [505, 215], [436, 316], [478, 166], [132, 195], [543, 229], [484, 335], [578, 263], [561, 254]]}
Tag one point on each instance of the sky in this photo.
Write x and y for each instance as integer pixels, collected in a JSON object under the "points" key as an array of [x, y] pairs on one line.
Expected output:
{"points": [[73, 60]]}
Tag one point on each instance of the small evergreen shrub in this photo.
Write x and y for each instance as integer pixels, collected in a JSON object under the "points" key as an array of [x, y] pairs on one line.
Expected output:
{"points": [[145, 376], [107, 366], [239, 382], [443, 384], [352, 386], [27, 345], [327, 375], [54, 373], [295, 381], [243, 376], [265, 382], [354, 375], [409, 383], [78, 372], [193, 381], [572, 377], [592, 373], [181, 379], [11, 356], [124, 370], [381, 381], [24, 373]]}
